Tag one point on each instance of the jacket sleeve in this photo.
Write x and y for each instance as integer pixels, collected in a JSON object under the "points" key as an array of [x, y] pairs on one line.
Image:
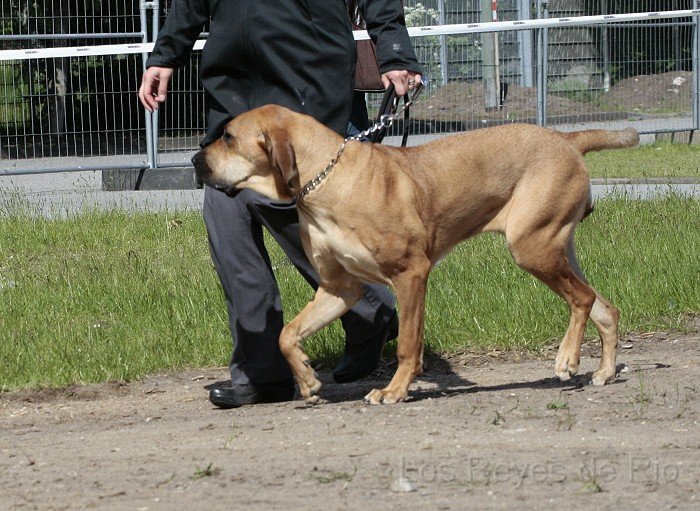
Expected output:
{"points": [[387, 28], [176, 38]]}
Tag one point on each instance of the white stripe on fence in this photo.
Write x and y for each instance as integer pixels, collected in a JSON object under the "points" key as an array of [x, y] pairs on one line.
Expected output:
{"points": [[464, 28]]}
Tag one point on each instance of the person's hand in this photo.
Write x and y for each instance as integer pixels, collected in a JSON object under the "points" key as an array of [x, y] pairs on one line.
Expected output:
{"points": [[404, 81], [154, 86]]}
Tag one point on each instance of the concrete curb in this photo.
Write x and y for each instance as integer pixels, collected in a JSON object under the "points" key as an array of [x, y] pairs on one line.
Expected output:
{"points": [[647, 181], [162, 178], [181, 178]]}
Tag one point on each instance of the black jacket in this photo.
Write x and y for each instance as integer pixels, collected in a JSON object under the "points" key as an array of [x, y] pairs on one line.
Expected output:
{"points": [[295, 53]]}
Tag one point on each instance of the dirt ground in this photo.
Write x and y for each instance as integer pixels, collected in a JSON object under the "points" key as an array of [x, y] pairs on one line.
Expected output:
{"points": [[487, 431], [643, 94]]}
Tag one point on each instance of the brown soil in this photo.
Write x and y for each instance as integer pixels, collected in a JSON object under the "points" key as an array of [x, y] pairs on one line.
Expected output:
{"points": [[667, 92], [650, 93], [489, 431]]}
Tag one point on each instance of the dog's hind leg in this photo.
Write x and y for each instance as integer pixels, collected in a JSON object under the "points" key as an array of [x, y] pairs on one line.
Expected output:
{"points": [[605, 317], [328, 304], [410, 288], [545, 256]]}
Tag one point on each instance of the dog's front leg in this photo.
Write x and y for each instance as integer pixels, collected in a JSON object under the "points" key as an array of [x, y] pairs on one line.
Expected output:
{"points": [[327, 305], [410, 293]]}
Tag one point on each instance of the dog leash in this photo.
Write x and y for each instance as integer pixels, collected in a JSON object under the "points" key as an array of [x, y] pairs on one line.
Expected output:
{"points": [[389, 107], [384, 122], [389, 111]]}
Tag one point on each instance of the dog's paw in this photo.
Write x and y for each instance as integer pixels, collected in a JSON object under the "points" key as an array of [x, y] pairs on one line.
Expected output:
{"points": [[601, 377], [384, 397], [309, 389], [312, 400], [563, 375], [566, 368]]}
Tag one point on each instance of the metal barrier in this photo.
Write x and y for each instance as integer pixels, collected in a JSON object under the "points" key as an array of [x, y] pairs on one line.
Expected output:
{"points": [[66, 105]]}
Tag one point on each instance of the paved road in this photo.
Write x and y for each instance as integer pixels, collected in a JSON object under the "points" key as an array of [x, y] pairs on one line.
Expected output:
{"points": [[59, 194]]}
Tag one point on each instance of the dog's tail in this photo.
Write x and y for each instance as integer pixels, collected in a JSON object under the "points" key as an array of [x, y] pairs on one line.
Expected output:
{"points": [[597, 140]]}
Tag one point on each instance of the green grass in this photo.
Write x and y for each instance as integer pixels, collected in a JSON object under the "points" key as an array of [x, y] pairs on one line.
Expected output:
{"points": [[113, 296], [663, 159], [478, 298], [106, 296], [13, 111]]}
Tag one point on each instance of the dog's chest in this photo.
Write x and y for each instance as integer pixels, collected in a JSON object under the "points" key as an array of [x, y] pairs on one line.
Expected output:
{"points": [[342, 242]]}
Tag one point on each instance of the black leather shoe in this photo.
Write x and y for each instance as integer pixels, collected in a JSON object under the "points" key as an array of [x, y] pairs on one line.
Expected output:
{"points": [[239, 394], [362, 362]]}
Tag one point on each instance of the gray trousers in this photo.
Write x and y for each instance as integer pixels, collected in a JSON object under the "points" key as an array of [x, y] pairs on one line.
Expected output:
{"points": [[234, 225]]}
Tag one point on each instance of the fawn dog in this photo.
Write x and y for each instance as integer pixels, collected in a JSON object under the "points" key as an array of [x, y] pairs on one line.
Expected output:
{"points": [[389, 215]]}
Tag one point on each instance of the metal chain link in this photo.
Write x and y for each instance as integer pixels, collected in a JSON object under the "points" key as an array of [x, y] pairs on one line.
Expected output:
{"points": [[384, 122], [311, 185]]}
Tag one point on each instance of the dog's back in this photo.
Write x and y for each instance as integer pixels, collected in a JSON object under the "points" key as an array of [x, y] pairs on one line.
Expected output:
{"points": [[499, 169]]}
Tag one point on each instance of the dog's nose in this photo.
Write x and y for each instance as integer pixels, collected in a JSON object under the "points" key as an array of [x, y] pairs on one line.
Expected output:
{"points": [[198, 181], [200, 167]]}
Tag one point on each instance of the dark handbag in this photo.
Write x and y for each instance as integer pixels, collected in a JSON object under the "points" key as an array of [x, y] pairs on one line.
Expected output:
{"points": [[368, 78]]}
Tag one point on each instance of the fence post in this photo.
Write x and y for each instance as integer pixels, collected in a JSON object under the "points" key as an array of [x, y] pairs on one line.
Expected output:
{"points": [[443, 43], [605, 43], [696, 68], [148, 116], [155, 25], [489, 58], [525, 46], [542, 42]]}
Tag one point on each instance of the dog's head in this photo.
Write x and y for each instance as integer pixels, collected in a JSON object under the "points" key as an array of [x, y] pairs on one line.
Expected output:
{"points": [[256, 152]]}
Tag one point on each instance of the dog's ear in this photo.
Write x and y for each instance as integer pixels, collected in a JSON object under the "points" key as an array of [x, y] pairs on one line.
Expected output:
{"points": [[281, 153]]}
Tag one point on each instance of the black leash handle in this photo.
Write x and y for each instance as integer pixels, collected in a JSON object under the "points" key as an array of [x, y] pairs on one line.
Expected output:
{"points": [[389, 104]]}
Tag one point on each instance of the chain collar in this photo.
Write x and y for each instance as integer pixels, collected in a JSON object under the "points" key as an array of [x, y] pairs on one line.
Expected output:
{"points": [[306, 189], [384, 122]]}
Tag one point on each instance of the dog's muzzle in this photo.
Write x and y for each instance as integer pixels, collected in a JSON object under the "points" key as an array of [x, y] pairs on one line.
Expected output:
{"points": [[201, 170], [203, 175]]}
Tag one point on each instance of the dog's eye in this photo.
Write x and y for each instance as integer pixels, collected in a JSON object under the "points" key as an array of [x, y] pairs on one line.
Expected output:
{"points": [[228, 137]]}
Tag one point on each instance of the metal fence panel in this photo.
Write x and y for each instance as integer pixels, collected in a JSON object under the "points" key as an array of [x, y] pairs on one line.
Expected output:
{"points": [[639, 71], [589, 75], [62, 112], [83, 112]]}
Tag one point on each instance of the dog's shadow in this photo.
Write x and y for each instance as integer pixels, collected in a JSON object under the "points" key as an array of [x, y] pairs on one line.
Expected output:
{"points": [[444, 383], [437, 374]]}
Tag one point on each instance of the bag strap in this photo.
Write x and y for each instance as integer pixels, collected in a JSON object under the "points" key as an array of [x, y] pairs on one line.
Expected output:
{"points": [[356, 18]]}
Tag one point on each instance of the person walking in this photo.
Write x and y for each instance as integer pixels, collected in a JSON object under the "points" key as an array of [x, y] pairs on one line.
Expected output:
{"points": [[299, 54]]}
